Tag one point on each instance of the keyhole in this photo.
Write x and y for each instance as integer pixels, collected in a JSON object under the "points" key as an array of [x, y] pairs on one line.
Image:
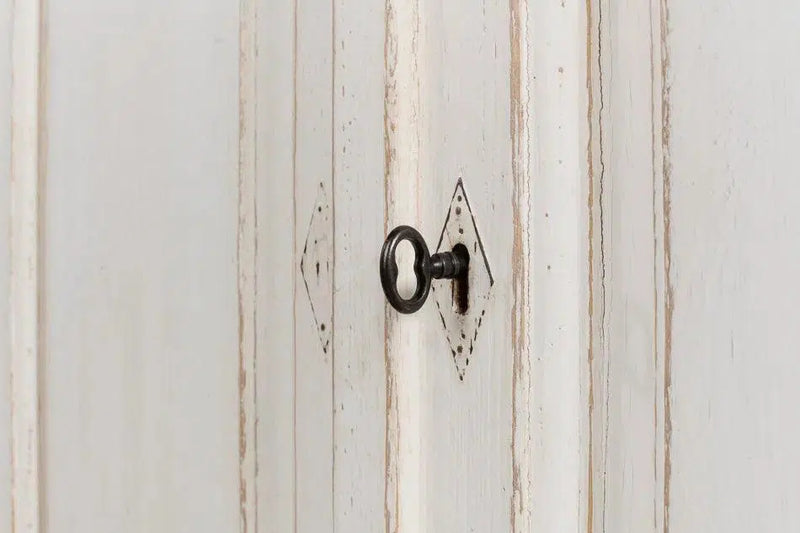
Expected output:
{"points": [[406, 280], [460, 285]]}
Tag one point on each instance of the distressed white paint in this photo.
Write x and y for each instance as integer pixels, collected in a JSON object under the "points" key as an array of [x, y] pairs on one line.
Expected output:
{"points": [[461, 326], [405, 500], [629, 166], [697, 369], [174, 369], [626, 413], [422, 95], [467, 134], [247, 264]]}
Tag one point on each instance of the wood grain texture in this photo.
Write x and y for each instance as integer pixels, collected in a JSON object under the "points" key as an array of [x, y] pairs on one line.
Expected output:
{"points": [[5, 265], [628, 290], [141, 209], [277, 266], [25, 266]]}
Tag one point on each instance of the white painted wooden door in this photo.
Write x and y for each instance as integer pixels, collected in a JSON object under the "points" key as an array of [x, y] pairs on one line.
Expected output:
{"points": [[127, 286], [192, 322], [418, 113], [696, 242]]}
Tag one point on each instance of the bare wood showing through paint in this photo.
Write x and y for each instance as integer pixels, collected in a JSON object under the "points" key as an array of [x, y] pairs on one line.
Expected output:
{"points": [[695, 373], [628, 424], [191, 302], [403, 501], [413, 446], [247, 264]]}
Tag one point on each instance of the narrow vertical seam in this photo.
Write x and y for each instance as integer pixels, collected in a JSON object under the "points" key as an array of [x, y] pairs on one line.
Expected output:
{"points": [[333, 261], [590, 240], [40, 260], [294, 267], [668, 288]]}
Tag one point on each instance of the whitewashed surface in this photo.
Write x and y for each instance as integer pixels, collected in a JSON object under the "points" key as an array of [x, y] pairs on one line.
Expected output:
{"points": [[141, 329], [410, 98], [177, 385], [5, 339], [696, 119], [630, 168], [734, 123]]}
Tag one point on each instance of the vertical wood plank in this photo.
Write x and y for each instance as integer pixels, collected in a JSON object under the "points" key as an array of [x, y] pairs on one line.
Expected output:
{"points": [[466, 124], [461, 93], [360, 378], [5, 264], [141, 412], [554, 106], [25, 265], [522, 320], [716, 310], [405, 459], [276, 265], [315, 263], [733, 217], [247, 266], [626, 432]]}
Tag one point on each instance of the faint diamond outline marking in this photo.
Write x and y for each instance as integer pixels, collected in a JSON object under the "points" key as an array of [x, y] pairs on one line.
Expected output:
{"points": [[461, 330], [318, 281]]}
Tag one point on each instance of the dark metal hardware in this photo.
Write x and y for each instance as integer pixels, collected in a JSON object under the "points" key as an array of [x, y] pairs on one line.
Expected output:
{"points": [[444, 265]]}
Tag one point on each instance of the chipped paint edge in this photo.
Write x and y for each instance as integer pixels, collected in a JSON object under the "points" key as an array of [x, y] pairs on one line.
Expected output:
{"points": [[662, 291], [247, 268], [403, 500], [668, 292], [521, 270]]}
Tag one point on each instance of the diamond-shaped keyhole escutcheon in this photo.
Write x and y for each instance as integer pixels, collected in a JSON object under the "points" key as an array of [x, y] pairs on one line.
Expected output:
{"points": [[316, 266], [462, 309]]}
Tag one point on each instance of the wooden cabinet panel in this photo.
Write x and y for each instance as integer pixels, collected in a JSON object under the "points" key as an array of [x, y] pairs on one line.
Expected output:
{"points": [[696, 232], [140, 317], [734, 118], [191, 314]]}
